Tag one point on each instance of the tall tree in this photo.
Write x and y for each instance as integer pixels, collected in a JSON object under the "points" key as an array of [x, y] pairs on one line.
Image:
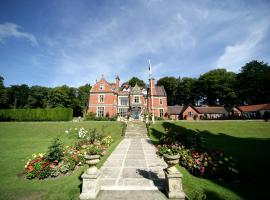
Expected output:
{"points": [[83, 97], [187, 91], [170, 85], [38, 97], [3, 94], [18, 95], [217, 87], [253, 83], [132, 82]]}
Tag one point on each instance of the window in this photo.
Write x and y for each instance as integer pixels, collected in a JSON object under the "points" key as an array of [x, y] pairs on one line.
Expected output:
{"points": [[160, 101], [100, 112], [122, 112], [190, 114], [101, 86], [160, 112], [136, 99], [101, 98], [124, 101]]}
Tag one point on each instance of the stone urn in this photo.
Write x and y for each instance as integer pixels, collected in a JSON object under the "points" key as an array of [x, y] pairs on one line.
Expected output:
{"points": [[171, 161], [92, 160]]}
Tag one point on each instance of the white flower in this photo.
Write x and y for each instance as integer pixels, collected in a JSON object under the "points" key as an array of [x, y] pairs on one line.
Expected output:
{"points": [[66, 132], [41, 155], [75, 129]]}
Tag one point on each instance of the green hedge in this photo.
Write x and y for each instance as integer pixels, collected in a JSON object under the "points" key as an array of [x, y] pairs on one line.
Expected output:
{"points": [[48, 114]]}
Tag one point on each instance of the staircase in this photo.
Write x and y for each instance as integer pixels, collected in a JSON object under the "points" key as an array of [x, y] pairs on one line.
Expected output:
{"points": [[136, 129]]}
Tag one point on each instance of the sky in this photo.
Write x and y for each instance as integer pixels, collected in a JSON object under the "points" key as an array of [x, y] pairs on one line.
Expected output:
{"points": [[74, 42]]}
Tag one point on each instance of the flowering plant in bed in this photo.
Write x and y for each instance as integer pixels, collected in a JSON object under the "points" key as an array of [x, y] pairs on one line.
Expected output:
{"points": [[61, 160]]}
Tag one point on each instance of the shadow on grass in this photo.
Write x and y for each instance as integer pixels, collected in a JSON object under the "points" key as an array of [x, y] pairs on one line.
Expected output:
{"points": [[252, 154]]}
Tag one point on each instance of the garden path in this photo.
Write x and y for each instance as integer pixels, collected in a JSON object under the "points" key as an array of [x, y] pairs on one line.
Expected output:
{"points": [[134, 164]]}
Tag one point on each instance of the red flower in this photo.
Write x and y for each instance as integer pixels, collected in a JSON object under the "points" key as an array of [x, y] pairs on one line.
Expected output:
{"points": [[30, 168]]}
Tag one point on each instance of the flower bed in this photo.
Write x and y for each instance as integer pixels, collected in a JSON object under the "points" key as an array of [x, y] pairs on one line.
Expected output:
{"points": [[60, 160], [198, 160]]}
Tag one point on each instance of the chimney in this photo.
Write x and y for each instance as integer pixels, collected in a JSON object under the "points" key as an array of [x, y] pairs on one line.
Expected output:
{"points": [[117, 81], [152, 86]]}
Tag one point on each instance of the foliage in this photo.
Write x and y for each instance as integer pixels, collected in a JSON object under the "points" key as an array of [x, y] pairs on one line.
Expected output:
{"points": [[61, 160], [50, 114], [169, 149], [195, 157], [170, 85], [253, 82], [218, 87], [132, 82], [94, 150], [3, 94], [55, 151], [92, 117]]}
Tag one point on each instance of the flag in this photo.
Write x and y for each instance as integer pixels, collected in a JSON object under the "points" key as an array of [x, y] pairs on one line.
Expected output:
{"points": [[150, 70]]}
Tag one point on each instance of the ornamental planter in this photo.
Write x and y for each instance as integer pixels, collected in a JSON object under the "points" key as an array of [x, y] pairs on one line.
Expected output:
{"points": [[91, 179], [171, 161], [92, 160]]}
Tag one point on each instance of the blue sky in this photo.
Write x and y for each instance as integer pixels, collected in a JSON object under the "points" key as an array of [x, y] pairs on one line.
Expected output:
{"points": [[58, 42]]}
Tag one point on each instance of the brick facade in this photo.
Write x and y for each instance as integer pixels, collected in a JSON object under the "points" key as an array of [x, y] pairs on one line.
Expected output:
{"points": [[107, 99]]}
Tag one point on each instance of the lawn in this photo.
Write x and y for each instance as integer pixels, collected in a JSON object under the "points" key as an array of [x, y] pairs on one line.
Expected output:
{"points": [[19, 140], [247, 141]]}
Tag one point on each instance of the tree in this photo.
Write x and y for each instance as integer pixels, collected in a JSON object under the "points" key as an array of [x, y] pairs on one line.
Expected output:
{"points": [[187, 91], [253, 83], [38, 97], [170, 85], [83, 97], [132, 82], [60, 97], [216, 87], [18, 95], [3, 94]]}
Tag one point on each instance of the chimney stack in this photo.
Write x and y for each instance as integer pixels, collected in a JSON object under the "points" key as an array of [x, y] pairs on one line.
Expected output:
{"points": [[117, 81]]}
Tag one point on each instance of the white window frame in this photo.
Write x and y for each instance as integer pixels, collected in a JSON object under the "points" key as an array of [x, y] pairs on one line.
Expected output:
{"points": [[127, 101], [161, 112], [101, 86], [101, 100], [135, 99], [99, 112], [122, 112], [190, 113]]}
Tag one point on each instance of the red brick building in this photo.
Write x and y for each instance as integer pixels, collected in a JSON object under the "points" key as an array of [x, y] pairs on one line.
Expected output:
{"points": [[109, 99]]}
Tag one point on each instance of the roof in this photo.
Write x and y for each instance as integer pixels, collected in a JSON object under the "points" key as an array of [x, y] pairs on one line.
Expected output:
{"points": [[211, 110], [175, 110], [254, 108], [160, 91]]}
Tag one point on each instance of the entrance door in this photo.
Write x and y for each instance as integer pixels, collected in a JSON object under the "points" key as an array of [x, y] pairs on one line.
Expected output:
{"points": [[135, 112]]}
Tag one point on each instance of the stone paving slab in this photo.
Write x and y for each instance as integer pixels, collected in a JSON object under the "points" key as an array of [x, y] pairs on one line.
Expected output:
{"points": [[131, 195], [133, 165]]}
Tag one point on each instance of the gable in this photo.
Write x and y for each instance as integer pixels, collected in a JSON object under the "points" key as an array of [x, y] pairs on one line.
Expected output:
{"points": [[102, 83]]}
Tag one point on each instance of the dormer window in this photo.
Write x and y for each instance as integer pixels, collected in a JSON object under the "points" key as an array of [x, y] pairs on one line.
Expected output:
{"points": [[101, 86]]}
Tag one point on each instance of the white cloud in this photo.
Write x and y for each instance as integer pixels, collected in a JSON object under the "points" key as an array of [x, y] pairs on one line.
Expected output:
{"points": [[11, 30], [240, 53]]}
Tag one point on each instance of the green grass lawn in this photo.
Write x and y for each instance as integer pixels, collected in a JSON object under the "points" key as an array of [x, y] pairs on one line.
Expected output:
{"points": [[247, 141], [19, 140]]}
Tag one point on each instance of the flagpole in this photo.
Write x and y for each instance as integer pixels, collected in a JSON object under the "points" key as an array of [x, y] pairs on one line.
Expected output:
{"points": [[151, 92]]}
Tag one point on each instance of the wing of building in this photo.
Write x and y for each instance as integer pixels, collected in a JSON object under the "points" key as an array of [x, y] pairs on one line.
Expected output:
{"points": [[109, 99]]}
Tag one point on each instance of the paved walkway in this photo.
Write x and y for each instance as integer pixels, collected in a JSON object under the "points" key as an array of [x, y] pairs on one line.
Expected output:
{"points": [[134, 164]]}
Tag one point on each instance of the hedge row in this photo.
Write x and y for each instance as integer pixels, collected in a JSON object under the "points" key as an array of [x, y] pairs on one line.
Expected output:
{"points": [[48, 114]]}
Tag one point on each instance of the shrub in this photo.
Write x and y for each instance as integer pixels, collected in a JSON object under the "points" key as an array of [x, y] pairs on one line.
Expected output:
{"points": [[94, 150], [48, 114], [55, 151]]}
